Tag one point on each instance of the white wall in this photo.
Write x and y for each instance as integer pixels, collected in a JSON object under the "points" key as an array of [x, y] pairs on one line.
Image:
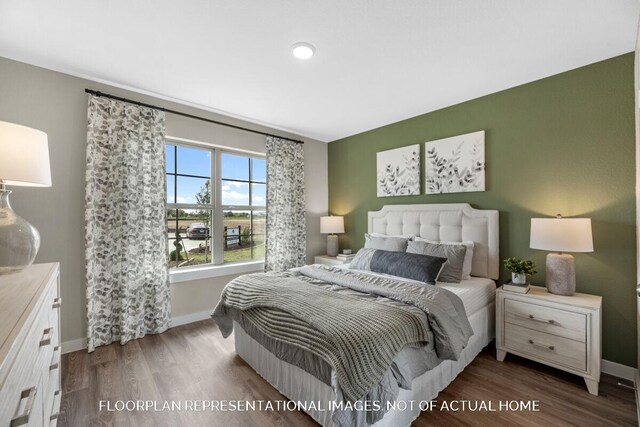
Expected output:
{"points": [[56, 104]]}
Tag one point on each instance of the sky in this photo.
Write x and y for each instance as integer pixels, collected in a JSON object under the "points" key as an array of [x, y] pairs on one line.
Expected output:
{"points": [[194, 161]]}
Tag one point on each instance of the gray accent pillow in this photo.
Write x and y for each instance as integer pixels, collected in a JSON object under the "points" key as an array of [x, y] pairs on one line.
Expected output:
{"points": [[396, 244], [362, 260], [423, 268], [452, 272]]}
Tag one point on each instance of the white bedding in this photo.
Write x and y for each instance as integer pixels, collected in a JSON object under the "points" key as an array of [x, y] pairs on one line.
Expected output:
{"points": [[475, 293]]}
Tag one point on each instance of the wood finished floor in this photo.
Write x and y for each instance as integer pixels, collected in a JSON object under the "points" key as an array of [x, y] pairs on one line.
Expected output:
{"points": [[194, 362]]}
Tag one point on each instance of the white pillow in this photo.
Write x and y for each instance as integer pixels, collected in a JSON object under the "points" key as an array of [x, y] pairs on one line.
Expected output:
{"points": [[468, 256]]}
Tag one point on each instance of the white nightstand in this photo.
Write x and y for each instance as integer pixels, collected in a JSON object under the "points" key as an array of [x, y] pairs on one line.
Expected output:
{"points": [[559, 331], [329, 260]]}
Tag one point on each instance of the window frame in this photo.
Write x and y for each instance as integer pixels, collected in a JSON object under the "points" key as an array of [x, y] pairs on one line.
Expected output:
{"points": [[217, 266]]}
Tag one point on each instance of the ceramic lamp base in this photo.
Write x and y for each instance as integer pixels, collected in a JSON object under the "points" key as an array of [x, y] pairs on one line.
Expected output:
{"points": [[561, 274], [19, 240], [332, 245]]}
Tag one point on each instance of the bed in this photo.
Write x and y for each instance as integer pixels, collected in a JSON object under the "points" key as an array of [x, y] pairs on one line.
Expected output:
{"points": [[442, 222]]}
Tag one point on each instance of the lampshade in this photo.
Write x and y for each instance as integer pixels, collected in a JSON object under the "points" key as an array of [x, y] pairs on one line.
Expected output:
{"points": [[561, 234], [331, 224], [24, 156]]}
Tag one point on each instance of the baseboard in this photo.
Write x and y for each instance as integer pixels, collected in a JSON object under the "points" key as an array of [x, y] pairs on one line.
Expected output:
{"points": [[81, 343], [74, 345], [637, 384], [607, 367], [617, 370], [191, 317]]}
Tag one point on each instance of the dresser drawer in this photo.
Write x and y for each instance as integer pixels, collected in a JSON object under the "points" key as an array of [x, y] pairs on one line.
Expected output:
{"points": [[25, 380], [554, 321], [547, 347]]}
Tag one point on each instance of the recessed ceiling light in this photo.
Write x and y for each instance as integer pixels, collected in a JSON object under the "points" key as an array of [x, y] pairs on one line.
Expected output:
{"points": [[303, 50]]}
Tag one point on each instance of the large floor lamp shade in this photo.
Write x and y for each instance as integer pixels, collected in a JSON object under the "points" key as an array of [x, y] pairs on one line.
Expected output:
{"points": [[332, 225], [24, 161], [561, 235]]}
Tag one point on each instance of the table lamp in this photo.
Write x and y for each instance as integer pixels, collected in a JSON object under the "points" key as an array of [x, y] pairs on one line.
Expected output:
{"points": [[561, 235], [24, 161], [331, 225]]}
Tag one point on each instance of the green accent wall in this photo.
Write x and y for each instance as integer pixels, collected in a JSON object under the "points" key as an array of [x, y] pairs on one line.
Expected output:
{"points": [[564, 144]]}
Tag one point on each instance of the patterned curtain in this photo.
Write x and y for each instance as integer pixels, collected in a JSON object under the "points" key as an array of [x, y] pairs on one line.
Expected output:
{"points": [[125, 223], [286, 240]]}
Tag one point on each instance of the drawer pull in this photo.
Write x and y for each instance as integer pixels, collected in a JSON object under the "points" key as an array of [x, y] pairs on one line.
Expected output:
{"points": [[46, 337], [23, 418], [57, 303], [551, 348], [56, 414], [551, 321], [55, 364]]}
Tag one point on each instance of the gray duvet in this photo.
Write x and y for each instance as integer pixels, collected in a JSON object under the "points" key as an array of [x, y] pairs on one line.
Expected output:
{"points": [[366, 336]]}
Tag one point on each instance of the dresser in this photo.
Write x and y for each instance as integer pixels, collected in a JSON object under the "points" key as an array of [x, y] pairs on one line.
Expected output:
{"points": [[30, 346], [559, 331]]}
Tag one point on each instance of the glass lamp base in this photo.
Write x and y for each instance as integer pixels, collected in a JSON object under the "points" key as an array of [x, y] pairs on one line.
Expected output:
{"points": [[19, 240]]}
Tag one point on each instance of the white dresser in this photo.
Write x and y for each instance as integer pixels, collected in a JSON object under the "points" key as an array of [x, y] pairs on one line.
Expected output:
{"points": [[559, 331], [30, 346]]}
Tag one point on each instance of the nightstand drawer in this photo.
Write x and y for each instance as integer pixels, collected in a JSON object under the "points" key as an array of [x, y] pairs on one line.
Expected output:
{"points": [[547, 347], [545, 319]]}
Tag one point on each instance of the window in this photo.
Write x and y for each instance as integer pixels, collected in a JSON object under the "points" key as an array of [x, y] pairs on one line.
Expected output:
{"points": [[219, 223]]}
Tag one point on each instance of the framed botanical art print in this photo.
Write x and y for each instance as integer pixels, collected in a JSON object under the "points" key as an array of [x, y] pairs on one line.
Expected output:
{"points": [[455, 165], [398, 171]]}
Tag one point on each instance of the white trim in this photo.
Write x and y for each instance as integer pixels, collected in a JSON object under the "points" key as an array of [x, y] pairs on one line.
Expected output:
{"points": [[618, 370], [81, 343], [190, 318], [204, 144], [74, 345], [608, 367], [637, 384], [195, 273]]}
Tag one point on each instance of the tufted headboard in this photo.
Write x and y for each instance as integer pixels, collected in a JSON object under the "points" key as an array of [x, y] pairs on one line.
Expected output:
{"points": [[453, 222]]}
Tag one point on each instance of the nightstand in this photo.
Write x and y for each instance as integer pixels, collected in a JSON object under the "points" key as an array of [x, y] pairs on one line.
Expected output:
{"points": [[559, 331], [329, 260]]}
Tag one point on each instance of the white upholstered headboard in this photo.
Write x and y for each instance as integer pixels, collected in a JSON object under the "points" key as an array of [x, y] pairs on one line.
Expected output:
{"points": [[453, 222]]}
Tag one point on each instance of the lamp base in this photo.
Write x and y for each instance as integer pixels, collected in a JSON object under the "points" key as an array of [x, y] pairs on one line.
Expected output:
{"points": [[19, 240], [332, 245], [561, 274]]}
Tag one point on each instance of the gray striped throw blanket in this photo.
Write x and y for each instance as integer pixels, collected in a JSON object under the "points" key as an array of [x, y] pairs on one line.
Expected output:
{"points": [[358, 337]]}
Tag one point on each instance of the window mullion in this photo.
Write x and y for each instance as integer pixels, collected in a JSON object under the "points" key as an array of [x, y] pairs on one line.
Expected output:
{"points": [[218, 215]]}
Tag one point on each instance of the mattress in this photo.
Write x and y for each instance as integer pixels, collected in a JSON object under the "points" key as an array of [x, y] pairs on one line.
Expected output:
{"points": [[475, 293]]}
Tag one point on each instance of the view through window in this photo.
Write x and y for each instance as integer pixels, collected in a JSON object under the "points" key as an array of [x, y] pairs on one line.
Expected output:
{"points": [[209, 220]]}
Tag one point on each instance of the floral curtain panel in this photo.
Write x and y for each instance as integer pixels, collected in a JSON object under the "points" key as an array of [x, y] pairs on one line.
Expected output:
{"points": [[286, 240], [125, 223]]}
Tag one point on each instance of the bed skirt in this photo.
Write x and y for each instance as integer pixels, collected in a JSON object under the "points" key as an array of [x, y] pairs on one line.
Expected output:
{"points": [[298, 385]]}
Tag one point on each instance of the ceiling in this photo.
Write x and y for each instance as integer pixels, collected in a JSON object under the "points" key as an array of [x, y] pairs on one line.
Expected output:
{"points": [[377, 61]]}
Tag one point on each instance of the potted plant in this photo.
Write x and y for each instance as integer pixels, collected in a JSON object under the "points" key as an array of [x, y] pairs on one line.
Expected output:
{"points": [[520, 269]]}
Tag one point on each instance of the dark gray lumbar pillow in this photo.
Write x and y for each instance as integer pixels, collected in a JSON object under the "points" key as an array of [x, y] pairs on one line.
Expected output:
{"points": [[423, 268], [396, 244], [452, 271]]}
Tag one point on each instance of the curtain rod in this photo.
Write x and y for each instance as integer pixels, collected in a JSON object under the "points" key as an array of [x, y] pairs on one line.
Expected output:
{"points": [[179, 113]]}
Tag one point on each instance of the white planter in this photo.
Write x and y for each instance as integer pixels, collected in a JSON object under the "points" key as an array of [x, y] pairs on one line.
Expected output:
{"points": [[519, 278]]}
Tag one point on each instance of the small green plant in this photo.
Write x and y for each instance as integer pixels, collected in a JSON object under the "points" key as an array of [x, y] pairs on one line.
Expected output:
{"points": [[520, 266]]}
